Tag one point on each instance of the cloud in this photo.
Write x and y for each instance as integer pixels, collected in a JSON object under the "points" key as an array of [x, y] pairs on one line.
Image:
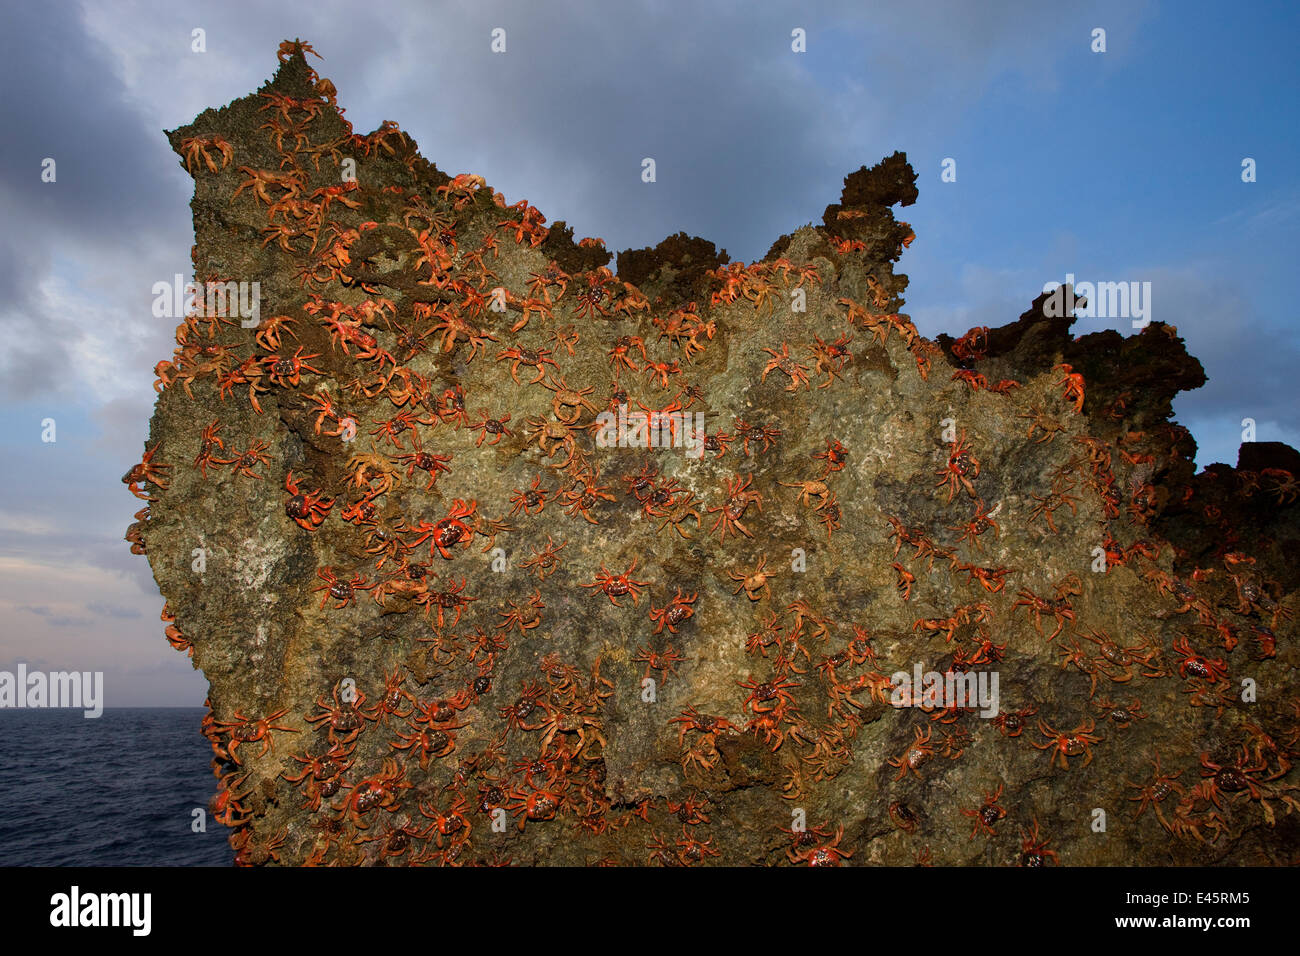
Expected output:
{"points": [[54, 618], [111, 610], [1249, 361]]}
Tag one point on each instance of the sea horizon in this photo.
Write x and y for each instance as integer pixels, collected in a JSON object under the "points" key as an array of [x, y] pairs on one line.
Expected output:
{"points": [[129, 788]]}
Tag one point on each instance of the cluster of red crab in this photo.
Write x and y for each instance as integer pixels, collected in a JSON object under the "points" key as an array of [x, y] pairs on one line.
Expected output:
{"points": [[352, 372]]}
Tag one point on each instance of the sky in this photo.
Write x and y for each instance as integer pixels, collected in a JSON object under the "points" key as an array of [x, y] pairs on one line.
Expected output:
{"points": [[1122, 165]]}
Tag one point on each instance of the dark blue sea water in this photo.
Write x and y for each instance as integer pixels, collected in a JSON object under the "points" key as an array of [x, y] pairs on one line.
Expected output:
{"points": [[115, 791]]}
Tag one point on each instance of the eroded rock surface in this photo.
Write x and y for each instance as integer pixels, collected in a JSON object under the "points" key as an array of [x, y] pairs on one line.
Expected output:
{"points": [[444, 623]]}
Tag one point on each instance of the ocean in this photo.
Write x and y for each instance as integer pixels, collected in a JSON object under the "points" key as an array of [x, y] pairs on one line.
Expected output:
{"points": [[119, 790]]}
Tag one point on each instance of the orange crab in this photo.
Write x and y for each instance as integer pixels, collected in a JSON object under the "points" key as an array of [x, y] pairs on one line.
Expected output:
{"points": [[675, 613], [260, 180], [618, 585], [739, 497], [246, 730], [448, 532], [755, 582], [1073, 382], [782, 362], [1067, 745], [310, 509], [343, 592], [147, 471], [289, 47], [196, 148], [986, 815], [915, 756], [961, 467]]}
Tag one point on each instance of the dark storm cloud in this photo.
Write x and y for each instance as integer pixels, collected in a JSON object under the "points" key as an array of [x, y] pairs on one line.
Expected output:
{"points": [[750, 140], [62, 100], [114, 182]]}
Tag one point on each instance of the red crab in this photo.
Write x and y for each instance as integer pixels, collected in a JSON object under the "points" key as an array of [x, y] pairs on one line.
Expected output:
{"points": [[986, 815], [981, 522], [496, 427], [961, 467], [774, 692], [287, 372], [739, 496], [429, 743], [1067, 745], [915, 756], [310, 509], [449, 599], [392, 700], [534, 805], [449, 532], [836, 457], [517, 713], [147, 471], [691, 719], [827, 854], [245, 463], [1012, 723], [526, 617], [1157, 791], [1059, 606], [343, 592], [208, 442], [1073, 383], [226, 806], [433, 465], [254, 851], [616, 586], [345, 718], [533, 497], [1230, 778], [677, 612], [1207, 668], [379, 791], [905, 581], [1033, 850], [692, 850], [245, 730], [453, 824]]}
